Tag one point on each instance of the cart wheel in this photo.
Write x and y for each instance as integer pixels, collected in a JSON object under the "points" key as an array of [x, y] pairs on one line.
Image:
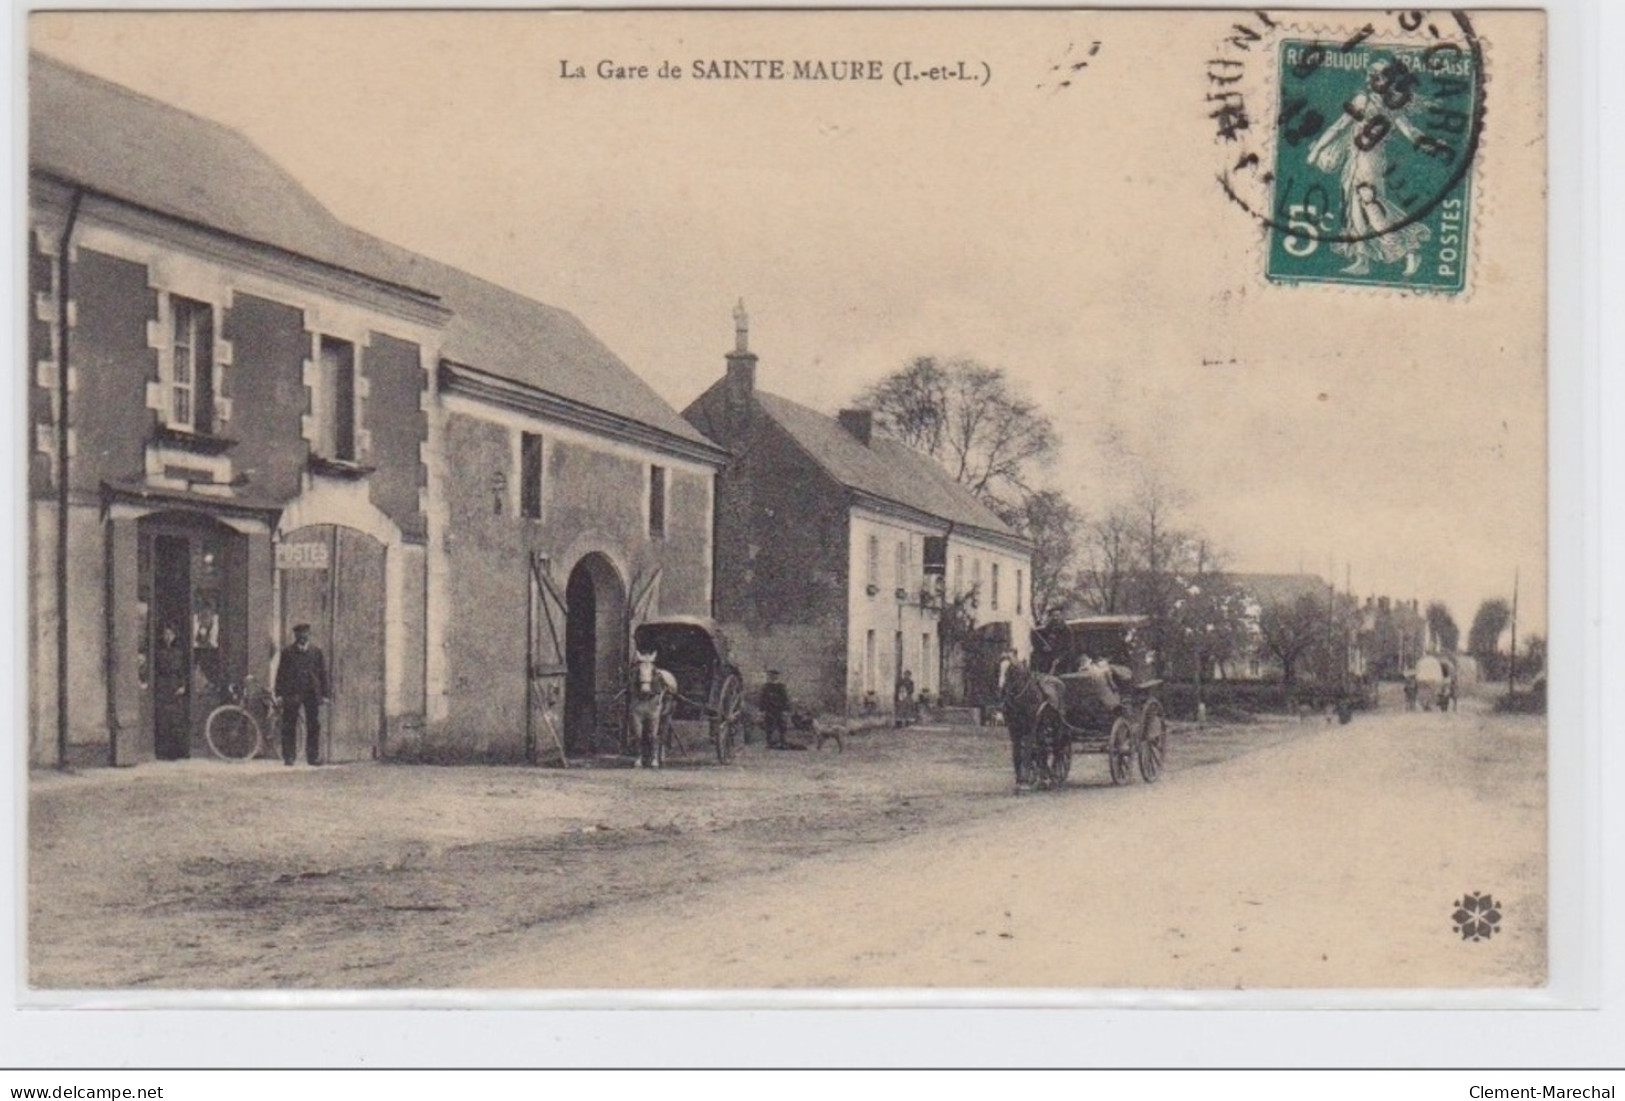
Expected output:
{"points": [[1119, 748], [1153, 742], [730, 717]]}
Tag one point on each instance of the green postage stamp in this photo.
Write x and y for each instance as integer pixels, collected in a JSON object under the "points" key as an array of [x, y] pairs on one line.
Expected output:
{"points": [[1374, 147]]}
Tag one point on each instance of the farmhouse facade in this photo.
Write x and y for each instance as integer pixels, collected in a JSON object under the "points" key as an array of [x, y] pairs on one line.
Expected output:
{"points": [[838, 549], [245, 414]]}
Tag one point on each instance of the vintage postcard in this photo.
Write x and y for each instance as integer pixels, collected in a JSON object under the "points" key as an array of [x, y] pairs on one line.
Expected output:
{"points": [[1039, 501]]}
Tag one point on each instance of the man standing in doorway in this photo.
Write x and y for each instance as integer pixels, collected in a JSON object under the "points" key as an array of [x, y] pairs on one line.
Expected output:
{"points": [[301, 682]]}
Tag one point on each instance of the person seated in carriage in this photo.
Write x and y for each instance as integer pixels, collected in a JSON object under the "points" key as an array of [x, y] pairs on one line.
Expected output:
{"points": [[1105, 680]]}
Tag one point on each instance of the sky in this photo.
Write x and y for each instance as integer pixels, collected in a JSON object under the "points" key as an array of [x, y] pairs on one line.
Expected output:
{"points": [[1073, 235]]}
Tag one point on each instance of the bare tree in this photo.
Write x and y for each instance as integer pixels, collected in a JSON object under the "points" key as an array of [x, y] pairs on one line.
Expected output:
{"points": [[972, 420], [1163, 552], [1050, 521], [1108, 562]]}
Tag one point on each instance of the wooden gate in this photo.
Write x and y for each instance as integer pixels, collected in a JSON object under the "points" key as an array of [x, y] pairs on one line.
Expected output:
{"points": [[545, 657], [333, 579]]}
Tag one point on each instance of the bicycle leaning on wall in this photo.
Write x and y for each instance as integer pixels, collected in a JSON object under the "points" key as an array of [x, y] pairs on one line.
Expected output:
{"points": [[236, 729]]}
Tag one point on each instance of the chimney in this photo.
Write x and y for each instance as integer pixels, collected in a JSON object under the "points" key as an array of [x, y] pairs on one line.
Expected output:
{"points": [[741, 384], [859, 422]]}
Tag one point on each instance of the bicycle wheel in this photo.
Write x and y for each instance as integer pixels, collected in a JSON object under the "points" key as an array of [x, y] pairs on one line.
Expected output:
{"points": [[232, 733]]}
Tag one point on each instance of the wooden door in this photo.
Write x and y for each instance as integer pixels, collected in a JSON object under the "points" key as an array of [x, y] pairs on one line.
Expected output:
{"points": [[547, 667], [357, 659], [333, 579]]}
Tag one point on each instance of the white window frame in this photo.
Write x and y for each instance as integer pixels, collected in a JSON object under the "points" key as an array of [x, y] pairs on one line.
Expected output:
{"points": [[173, 386], [324, 398]]}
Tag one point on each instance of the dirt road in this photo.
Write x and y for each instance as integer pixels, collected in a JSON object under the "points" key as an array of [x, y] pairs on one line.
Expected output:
{"points": [[903, 861], [1331, 861]]}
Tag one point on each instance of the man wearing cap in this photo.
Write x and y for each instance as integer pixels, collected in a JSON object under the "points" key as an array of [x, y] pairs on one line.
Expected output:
{"points": [[301, 682]]}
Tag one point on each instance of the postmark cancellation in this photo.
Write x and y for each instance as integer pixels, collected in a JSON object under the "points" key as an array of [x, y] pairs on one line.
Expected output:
{"points": [[1361, 165]]}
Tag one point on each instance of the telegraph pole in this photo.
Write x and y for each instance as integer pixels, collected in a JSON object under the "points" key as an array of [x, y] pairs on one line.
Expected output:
{"points": [[1201, 560], [1512, 659]]}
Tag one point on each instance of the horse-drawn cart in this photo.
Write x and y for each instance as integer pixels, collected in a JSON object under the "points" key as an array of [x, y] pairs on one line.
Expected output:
{"points": [[709, 700], [1090, 700], [1122, 720]]}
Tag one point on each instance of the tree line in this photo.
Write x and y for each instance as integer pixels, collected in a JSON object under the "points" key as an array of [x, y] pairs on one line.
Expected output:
{"points": [[1141, 555]]}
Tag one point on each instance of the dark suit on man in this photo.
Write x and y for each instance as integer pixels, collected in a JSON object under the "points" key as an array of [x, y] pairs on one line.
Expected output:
{"points": [[301, 682], [775, 704]]}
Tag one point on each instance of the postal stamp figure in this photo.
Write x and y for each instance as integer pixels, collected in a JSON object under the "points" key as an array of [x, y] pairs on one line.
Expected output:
{"points": [[1372, 155]]}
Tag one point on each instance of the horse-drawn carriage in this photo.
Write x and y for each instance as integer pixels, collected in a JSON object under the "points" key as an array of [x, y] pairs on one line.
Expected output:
{"points": [[1083, 693], [701, 696]]}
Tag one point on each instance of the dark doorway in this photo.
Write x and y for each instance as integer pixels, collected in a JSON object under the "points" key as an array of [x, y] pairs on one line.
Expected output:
{"points": [[171, 653], [596, 638], [580, 659], [192, 638]]}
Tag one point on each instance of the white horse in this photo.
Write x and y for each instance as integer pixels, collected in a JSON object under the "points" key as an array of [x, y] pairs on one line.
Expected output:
{"points": [[652, 697]]}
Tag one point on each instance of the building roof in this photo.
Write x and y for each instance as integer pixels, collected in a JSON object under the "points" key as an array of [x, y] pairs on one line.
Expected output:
{"points": [[89, 132], [505, 333], [102, 136], [1279, 588], [886, 468]]}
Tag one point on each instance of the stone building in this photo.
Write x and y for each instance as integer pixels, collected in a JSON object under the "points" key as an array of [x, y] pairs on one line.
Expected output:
{"points": [[273, 418], [838, 547], [572, 504]]}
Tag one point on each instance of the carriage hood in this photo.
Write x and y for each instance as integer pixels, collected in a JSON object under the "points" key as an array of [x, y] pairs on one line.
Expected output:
{"points": [[690, 636]]}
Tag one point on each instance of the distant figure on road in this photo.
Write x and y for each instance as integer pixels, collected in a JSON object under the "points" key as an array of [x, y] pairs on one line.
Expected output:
{"points": [[905, 699], [301, 682], [1410, 692], [775, 704]]}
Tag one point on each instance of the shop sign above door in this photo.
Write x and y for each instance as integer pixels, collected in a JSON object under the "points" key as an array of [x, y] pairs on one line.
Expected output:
{"points": [[301, 556]]}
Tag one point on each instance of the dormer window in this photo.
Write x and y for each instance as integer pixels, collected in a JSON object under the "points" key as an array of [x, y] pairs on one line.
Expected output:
{"points": [[189, 404], [336, 398]]}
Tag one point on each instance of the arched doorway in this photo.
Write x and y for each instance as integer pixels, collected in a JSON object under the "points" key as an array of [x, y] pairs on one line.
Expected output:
{"points": [[594, 651]]}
